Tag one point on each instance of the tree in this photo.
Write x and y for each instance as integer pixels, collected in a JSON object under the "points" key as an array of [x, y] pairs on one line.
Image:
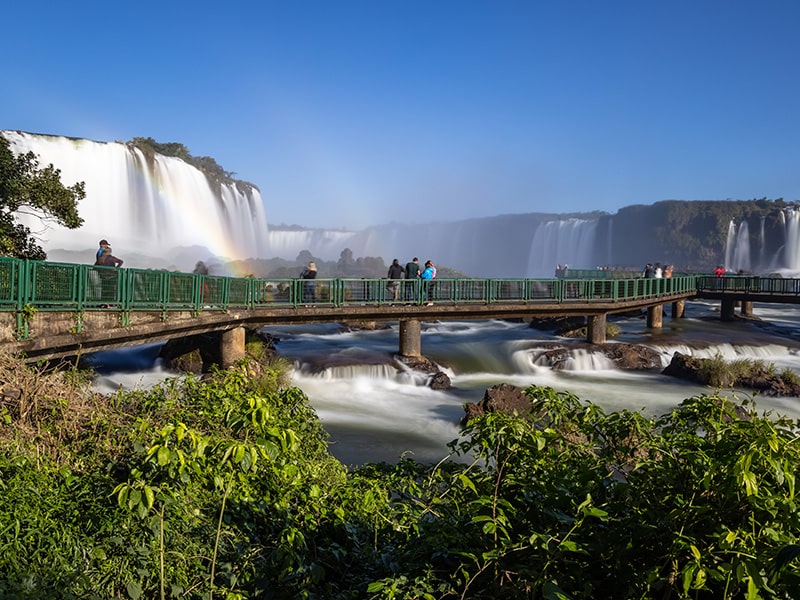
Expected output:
{"points": [[25, 188]]}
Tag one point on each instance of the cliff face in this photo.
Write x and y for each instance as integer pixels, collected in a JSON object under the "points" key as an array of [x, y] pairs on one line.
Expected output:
{"points": [[694, 235]]}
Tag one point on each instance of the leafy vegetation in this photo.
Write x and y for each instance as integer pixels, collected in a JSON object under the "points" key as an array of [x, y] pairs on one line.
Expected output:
{"points": [[223, 487], [208, 165], [27, 188]]}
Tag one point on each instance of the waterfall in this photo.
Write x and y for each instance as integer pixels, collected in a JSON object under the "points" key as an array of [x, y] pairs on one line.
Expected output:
{"points": [[145, 205], [792, 248], [569, 242], [730, 244], [162, 212], [741, 250]]}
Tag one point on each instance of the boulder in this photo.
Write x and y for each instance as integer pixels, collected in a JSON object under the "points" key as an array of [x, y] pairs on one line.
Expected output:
{"points": [[503, 397], [440, 381]]}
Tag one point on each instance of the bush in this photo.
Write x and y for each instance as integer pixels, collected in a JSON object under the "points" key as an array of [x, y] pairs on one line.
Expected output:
{"points": [[224, 487]]}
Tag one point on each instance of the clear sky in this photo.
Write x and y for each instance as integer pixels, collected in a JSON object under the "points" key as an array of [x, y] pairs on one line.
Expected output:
{"points": [[349, 113]]}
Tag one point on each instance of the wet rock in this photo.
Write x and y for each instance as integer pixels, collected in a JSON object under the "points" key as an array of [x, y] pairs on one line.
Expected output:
{"points": [[760, 377], [632, 356], [440, 381], [418, 363], [683, 366], [504, 397], [628, 357]]}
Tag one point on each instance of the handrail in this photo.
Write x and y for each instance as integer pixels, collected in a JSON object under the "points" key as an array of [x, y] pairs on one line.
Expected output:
{"points": [[57, 286]]}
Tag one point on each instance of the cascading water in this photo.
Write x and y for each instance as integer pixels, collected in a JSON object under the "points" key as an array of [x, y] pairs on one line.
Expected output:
{"points": [[149, 206], [784, 260], [143, 204], [792, 248], [737, 252], [569, 242]]}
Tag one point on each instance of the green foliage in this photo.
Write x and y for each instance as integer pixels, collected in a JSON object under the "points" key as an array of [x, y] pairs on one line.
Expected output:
{"points": [[206, 164], [224, 487], [27, 187]]}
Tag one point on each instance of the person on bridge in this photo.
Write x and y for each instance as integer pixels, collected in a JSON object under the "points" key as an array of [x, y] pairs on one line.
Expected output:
{"points": [[427, 276], [395, 274], [309, 287], [106, 259], [412, 276]]}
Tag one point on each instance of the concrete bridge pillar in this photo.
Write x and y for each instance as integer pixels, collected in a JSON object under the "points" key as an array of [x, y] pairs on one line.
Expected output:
{"points": [[678, 309], [727, 309], [655, 316], [747, 308], [231, 346], [596, 329], [410, 338]]}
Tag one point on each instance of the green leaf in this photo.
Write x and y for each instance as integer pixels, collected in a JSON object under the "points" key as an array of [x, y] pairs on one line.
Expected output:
{"points": [[149, 496], [163, 456], [467, 482], [134, 590], [134, 498]]}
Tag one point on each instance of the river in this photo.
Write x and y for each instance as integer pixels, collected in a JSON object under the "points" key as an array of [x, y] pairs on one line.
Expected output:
{"points": [[373, 412]]}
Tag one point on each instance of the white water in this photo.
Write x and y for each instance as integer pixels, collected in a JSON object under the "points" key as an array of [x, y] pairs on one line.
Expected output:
{"points": [[146, 206], [786, 261], [151, 207], [374, 412]]}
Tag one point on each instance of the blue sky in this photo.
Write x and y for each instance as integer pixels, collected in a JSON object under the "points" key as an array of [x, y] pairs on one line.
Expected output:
{"points": [[348, 113]]}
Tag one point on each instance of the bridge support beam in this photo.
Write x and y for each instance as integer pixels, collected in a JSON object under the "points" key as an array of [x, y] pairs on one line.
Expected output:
{"points": [[410, 338], [655, 317], [596, 329], [678, 309], [747, 308], [727, 310], [231, 346]]}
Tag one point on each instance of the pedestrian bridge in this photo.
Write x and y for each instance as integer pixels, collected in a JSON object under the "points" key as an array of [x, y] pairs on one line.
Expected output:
{"points": [[51, 310]]}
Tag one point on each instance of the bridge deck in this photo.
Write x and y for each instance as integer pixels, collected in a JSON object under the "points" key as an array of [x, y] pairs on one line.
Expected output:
{"points": [[60, 309]]}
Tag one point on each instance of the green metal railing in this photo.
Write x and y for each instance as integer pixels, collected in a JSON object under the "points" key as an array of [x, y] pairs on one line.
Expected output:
{"points": [[53, 286]]}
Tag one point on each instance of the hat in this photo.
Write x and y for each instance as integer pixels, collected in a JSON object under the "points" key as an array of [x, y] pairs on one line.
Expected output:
{"points": [[104, 242]]}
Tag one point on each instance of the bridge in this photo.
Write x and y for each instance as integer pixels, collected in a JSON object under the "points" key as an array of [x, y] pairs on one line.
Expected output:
{"points": [[53, 310]]}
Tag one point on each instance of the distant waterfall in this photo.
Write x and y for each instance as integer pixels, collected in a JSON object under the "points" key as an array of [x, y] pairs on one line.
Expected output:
{"points": [[569, 242], [737, 251], [786, 260], [146, 205], [792, 248], [163, 207]]}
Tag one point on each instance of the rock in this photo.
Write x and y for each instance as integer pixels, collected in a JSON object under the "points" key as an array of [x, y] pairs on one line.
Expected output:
{"points": [[627, 357], [417, 363], [440, 381], [504, 397], [759, 377], [683, 366], [632, 357]]}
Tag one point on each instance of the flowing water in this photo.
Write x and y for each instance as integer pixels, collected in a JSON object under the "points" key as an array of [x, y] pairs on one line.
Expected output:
{"points": [[375, 412]]}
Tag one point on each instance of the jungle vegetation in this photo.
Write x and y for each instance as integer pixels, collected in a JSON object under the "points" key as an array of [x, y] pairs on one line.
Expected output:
{"points": [[223, 487], [28, 188]]}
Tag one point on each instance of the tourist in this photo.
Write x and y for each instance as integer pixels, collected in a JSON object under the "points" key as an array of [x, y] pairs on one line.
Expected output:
{"points": [[106, 259], [412, 276], [428, 275], [108, 280], [395, 274], [309, 287]]}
